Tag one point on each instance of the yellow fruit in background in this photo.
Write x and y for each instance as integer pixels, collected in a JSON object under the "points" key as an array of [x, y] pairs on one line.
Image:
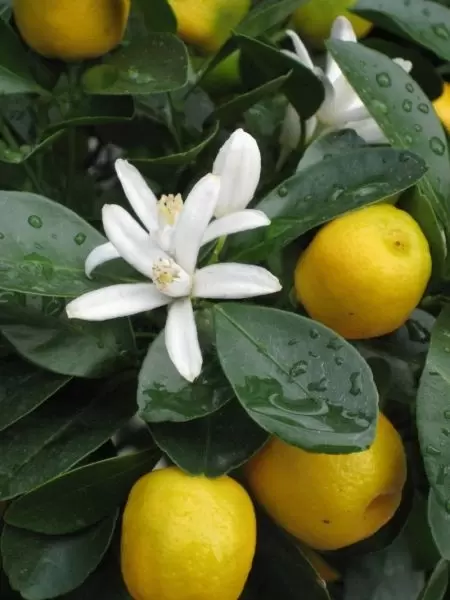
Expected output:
{"points": [[442, 106], [365, 272], [330, 501], [207, 24], [187, 538], [314, 19], [71, 29], [225, 77]]}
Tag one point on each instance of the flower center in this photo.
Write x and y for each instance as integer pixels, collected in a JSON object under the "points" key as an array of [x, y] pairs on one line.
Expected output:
{"points": [[169, 208], [165, 272]]}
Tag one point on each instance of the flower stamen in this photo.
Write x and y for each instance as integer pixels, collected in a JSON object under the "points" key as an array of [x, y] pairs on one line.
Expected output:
{"points": [[169, 208], [165, 271]]}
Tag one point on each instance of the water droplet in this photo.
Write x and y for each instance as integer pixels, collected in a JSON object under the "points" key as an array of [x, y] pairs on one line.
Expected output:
{"points": [[432, 450], [136, 76], [314, 334], [337, 193], [383, 80], [437, 146], [282, 191], [441, 31], [292, 342], [12, 156], [318, 386], [447, 414], [408, 139], [417, 127], [334, 344], [424, 108], [447, 506], [35, 221], [2, 236], [313, 354], [409, 87], [446, 431], [381, 106], [407, 105], [339, 361], [355, 384], [79, 239], [426, 12], [298, 368]]}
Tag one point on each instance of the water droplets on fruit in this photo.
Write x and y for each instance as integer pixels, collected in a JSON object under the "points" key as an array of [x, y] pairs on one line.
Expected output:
{"points": [[355, 384], [383, 80], [437, 146], [80, 238], [407, 105], [35, 221]]}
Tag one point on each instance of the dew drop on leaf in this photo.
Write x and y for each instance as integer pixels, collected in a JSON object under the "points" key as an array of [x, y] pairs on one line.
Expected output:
{"points": [[417, 127], [339, 361], [437, 146], [79, 239], [432, 450], [35, 221], [314, 334], [318, 386], [381, 106], [355, 384], [424, 108], [383, 80], [408, 139], [282, 191], [447, 414], [409, 87], [298, 368], [407, 105], [441, 31], [2, 236]]}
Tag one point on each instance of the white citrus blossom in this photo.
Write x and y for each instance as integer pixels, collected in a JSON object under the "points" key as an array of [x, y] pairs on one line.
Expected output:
{"points": [[342, 107], [176, 279]]}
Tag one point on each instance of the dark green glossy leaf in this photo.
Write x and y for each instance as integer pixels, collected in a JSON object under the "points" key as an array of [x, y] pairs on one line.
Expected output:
{"points": [[418, 533], [231, 110], [16, 156], [428, 23], [152, 63], [273, 63], [42, 567], [61, 432], [69, 347], [439, 521], [437, 584], [297, 379], [157, 15], [23, 388], [433, 413], [106, 582], [323, 192], [164, 395], [265, 15], [15, 76], [81, 497], [212, 445], [408, 119], [43, 247], [329, 146]]}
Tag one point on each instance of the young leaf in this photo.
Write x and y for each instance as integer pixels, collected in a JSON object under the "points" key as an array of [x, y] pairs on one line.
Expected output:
{"points": [[265, 15], [297, 379], [41, 567], [213, 445]]}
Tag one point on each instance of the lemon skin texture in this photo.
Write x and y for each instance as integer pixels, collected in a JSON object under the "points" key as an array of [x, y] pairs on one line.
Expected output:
{"points": [[313, 20], [71, 30], [207, 24], [365, 272], [442, 107], [330, 501], [187, 538]]}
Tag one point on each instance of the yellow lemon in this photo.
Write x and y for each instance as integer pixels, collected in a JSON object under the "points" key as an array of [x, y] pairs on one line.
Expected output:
{"points": [[442, 106], [207, 24], [225, 77], [331, 501], [365, 272], [313, 20], [187, 538], [71, 29]]}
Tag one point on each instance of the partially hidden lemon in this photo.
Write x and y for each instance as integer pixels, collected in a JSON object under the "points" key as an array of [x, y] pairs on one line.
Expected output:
{"points": [[72, 30], [442, 106], [187, 538], [365, 272], [331, 501], [207, 24], [314, 19]]}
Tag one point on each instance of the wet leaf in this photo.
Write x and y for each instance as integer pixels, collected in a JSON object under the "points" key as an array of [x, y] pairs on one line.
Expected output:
{"points": [[265, 15], [437, 584], [157, 15], [439, 521]]}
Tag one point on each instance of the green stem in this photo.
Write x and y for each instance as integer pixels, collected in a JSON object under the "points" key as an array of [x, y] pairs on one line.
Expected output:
{"points": [[217, 250]]}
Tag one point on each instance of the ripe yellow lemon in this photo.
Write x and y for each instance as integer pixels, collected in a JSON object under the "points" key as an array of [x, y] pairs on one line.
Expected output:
{"points": [[187, 538], [365, 272], [442, 106], [313, 20], [207, 24], [71, 29], [331, 501]]}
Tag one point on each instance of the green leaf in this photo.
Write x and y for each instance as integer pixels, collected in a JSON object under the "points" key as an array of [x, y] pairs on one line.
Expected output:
{"points": [[265, 15], [433, 413], [324, 191], [329, 146], [164, 395], [106, 582], [157, 15], [437, 584], [439, 521], [69, 347], [41, 567], [43, 247], [428, 23], [214, 445], [152, 63], [15, 76], [408, 119], [273, 63], [297, 379], [81, 497], [61, 432]]}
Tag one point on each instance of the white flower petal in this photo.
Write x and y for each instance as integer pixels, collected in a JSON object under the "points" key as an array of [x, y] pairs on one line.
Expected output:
{"points": [[98, 256], [406, 65], [133, 243], [369, 131], [342, 30], [231, 281], [115, 301], [238, 164], [291, 132], [197, 212], [182, 339], [340, 101], [243, 220], [300, 49], [140, 196]]}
